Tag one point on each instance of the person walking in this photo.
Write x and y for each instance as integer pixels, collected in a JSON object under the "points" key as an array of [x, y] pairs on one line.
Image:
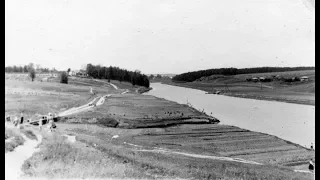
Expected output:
{"points": [[16, 121], [21, 118], [8, 118], [51, 122]]}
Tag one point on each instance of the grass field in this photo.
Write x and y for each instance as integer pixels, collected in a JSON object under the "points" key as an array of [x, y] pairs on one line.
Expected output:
{"points": [[154, 123]]}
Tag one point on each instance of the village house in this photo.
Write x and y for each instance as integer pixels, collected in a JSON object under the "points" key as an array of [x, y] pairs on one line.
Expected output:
{"points": [[304, 78], [80, 73], [262, 78], [255, 79]]}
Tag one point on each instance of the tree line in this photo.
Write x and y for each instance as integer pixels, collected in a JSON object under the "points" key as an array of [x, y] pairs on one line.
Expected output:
{"points": [[116, 73], [27, 68], [192, 76]]}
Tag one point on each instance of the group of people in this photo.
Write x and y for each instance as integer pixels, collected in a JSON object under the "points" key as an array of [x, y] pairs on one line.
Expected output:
{"points": [[50, 120], [16, 121], [44, 120]]}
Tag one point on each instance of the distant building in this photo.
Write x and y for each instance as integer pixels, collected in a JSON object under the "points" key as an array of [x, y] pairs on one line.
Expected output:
{"points": [[255, 79], [304, 78], [74, 72], [80, 73]]}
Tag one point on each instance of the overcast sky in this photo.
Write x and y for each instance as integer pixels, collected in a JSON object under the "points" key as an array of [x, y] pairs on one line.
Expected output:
{"points": [[160, 36]]}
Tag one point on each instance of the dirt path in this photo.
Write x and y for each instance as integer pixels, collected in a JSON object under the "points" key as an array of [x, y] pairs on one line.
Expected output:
{"points": [[114, 86], [159, 150], [167, 151], [303, 171], [85, 107], [125, 91], [15, 159], [77, 109]]}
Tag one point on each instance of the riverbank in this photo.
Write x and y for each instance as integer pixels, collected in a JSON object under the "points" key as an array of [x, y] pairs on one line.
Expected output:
{"points": [[251, 92]]}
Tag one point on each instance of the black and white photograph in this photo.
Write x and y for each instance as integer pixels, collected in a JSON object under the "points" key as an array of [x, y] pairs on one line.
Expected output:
{"points": [[160, 89]]}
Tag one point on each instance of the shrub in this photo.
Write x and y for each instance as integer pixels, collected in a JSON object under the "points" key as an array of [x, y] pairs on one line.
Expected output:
{"points": [[32, 74], [64, 78]]}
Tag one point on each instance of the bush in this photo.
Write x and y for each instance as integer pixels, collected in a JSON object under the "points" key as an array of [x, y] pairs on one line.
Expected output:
{"points": [[64, 78], [296, 79], [266, 80], [288, 80], [32, 74]]}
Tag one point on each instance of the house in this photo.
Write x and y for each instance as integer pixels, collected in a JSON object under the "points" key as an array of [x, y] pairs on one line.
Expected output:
{"points": [[80, 73], [304, 78], [74, 72], [255, 79]]}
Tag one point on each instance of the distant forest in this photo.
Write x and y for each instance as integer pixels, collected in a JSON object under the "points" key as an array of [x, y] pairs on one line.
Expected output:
{"points": [[26, 68], [115, 73], [192, 76]]}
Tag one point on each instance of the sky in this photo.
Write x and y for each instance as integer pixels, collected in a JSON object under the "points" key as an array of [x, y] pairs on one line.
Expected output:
{"points": [[160, 36]]}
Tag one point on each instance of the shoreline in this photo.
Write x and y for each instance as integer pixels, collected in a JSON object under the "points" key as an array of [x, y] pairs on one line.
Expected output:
{"points": [[247, 96]]}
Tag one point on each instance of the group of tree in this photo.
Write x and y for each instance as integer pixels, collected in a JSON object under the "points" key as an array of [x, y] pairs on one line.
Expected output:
{"points": [[25, 69], [192, 76], [116, 73], [158, 76], [31, 69]]}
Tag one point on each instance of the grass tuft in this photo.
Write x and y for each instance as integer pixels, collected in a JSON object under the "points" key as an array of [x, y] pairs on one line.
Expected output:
{"points": [[15, 142]]}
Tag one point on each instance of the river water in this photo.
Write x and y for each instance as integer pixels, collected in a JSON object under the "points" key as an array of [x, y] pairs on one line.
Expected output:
{"points": [[292, 122]]}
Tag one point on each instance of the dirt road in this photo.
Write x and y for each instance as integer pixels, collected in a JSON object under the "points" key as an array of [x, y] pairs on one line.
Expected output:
{"points": [[161, 150], [114, 86], [15, 159], [85, 107]]}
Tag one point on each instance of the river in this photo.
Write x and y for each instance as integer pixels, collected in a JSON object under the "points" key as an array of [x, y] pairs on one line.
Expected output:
{"points": [[291, 122]]}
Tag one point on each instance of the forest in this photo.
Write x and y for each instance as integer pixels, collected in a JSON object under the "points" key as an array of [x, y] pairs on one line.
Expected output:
{"points": [[192, 76], [116, 73]]}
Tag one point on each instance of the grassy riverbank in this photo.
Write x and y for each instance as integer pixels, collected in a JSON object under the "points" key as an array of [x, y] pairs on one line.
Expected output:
{"points": [[237, 86]]}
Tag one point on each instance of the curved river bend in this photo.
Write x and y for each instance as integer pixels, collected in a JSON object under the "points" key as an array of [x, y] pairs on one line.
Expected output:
{"points": [[292, 122]]}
